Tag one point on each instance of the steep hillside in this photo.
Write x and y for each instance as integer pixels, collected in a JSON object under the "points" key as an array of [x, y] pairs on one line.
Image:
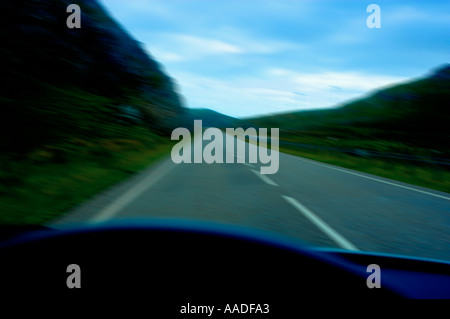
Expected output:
{"points": [[209, 118], [81, 109], [59, 83]]}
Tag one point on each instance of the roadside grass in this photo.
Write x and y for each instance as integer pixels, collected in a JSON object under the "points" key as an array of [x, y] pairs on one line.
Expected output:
{"points": [[35, 190], [425, 175], [369, 141]]}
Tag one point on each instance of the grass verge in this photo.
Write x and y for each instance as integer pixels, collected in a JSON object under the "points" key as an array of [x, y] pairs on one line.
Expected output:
{"points": [[425, 175], [38, 189]]}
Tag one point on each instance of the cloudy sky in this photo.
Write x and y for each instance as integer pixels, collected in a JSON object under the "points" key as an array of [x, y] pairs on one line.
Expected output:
{"points": [[250, 57]]}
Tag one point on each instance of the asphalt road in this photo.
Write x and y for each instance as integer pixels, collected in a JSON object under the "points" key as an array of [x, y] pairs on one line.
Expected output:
{"points": [[320, 204]]}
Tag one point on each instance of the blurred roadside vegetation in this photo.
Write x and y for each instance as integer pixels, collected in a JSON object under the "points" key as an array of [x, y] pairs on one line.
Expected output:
{"points": [[420, 174], [81, 109], [54, 178]]}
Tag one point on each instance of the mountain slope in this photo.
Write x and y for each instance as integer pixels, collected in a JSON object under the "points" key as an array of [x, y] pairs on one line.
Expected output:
{"points": [[414, 113], [209, 118], [81, 109], [59, 82]]}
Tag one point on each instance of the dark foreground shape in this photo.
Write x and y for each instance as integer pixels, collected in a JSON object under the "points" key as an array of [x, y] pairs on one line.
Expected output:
{"points": [[163, 266]]}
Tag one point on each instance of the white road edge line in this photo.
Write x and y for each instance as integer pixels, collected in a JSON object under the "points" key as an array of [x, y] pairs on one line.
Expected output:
{"points": [[264, 178], [334, 235], [368, 177], [127, 197]]}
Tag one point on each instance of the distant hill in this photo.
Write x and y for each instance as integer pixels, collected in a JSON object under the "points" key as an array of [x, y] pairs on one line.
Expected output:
{"points": [[415, 113], [59, 83], [209, 118]]}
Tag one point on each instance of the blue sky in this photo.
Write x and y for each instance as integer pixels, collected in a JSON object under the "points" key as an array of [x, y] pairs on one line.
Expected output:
{"points": [[251, 57]]}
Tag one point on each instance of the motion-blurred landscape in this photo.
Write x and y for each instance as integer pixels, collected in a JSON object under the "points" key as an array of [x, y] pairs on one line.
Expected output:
{"points": [[83, 109], [399, 132]]}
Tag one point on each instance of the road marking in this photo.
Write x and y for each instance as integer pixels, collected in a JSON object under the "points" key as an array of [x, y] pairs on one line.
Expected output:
{"points": [[334, 235], [264, 178], [127, 197], [369, 177]]}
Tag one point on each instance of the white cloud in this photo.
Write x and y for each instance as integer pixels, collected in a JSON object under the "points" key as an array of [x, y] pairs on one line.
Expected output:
{"points": [[176, 47], [351, 81], [163, 55], [238, 97], [205, 45], [278, 90], [182, 47]]}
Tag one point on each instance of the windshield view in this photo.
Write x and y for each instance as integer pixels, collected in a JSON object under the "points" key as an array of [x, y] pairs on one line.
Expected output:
{"points": [[322, 123]]}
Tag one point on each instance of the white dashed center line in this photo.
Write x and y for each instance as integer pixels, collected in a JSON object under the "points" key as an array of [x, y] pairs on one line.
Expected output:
{"points": [[265, 179], [330, 232]]}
